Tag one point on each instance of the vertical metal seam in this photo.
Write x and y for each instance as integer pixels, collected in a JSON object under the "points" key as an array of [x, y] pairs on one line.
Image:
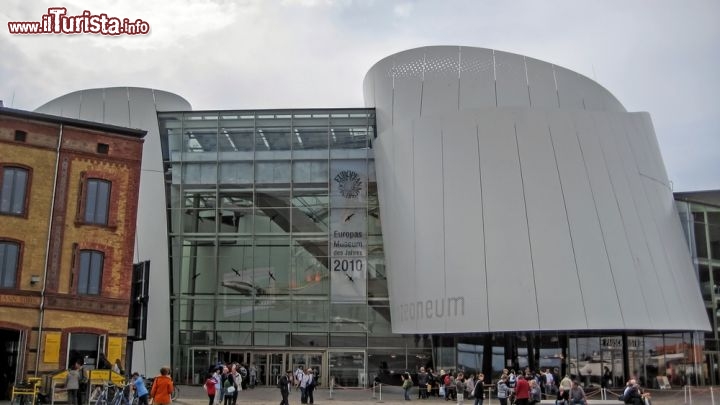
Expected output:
{"points": [[567, 218], [527, 224]]}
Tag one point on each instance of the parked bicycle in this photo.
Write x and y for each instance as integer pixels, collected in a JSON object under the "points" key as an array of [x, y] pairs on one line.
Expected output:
{"points": [[111, 394]]}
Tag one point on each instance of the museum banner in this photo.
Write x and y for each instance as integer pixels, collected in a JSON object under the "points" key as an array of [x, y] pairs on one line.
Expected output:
{"points": [[348, 231]]}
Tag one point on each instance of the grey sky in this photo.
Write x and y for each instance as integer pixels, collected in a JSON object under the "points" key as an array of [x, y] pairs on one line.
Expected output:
{"points": [[658, 56]]}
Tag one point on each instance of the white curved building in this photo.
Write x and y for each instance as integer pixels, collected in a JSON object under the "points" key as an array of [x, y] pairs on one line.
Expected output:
{"points": [[520, 196]]}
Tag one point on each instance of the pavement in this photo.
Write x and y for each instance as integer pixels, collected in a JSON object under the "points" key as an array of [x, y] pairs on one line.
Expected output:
{"points": [[195, 395]]}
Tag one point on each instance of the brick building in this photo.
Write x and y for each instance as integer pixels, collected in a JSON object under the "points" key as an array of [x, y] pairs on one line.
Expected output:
{"points": [[68, 206]]}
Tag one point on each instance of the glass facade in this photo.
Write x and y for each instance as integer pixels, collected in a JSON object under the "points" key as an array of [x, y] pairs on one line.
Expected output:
{"points": [[276, 242], [701, 224]]}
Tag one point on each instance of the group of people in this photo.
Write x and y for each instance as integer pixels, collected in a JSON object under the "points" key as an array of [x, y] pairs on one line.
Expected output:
{"points": [[526, 388], [225, 382], [303, 379], [633, 394], [451, 386], [161, 391]]}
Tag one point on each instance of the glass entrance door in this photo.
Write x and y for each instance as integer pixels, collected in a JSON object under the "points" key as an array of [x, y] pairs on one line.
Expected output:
{"points": [[278, 365], [272, 365]]}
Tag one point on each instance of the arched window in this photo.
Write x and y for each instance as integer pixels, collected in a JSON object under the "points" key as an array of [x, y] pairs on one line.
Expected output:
{"points": [[90, 272], [13, 189]]}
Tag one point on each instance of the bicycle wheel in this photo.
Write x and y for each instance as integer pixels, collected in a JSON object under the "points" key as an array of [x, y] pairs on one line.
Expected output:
{"points": [[102, 399], [175, 393]]}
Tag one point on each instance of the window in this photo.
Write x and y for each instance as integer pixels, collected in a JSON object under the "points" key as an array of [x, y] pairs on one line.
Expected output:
{"points": [[9, 254], [91, 269], [20, 136], [13, 189], [85, 348], [97, 201]]}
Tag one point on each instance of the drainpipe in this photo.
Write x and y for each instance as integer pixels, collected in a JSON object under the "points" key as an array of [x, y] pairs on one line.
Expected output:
{"points": [[47, 252]]}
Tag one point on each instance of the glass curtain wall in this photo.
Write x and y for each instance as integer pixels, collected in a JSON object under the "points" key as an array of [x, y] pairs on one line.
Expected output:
{"points": [[701, 224], [251, 218]]}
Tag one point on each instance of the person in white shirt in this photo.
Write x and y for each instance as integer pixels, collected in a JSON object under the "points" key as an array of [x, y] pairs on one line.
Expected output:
{"points": [[310, 385], [304, 381], [298, 375], [549, 383]]}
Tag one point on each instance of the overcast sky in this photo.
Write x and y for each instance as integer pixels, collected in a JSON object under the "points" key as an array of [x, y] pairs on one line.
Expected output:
{"points": [[655, 55]]}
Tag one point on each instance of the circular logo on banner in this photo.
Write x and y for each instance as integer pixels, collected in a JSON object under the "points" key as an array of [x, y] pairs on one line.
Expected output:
{"points": [[349, 183]]}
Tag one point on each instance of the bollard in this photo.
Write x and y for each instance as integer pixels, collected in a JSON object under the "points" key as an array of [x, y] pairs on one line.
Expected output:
{"points": [[712, 396], [684, 394], [380, 401], [690, 395], [332, 385]]}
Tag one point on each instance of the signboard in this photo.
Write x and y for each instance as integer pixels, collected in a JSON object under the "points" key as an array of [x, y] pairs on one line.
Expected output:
{"points": [[52, 347], [115, 346], [348, 231]]}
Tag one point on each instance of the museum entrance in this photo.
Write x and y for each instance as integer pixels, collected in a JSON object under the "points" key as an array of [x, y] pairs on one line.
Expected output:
{"points": [[271, 365]]}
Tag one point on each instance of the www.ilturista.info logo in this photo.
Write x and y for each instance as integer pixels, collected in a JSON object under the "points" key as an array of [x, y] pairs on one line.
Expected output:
{"points": [[56, 21]]}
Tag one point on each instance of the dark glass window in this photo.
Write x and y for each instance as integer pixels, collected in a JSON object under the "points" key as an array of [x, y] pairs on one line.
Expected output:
{"points": [[91, 269], [9, 253], [97, 201], [12, 193]]}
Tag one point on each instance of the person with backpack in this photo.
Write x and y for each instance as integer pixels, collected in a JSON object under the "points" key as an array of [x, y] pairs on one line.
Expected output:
{"points": [[209, 388], [407, 385], [310, 386], [228, 384]]}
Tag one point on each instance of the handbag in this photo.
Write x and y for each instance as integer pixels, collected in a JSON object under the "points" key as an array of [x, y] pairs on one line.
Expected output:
{"points": [[442, 391]]}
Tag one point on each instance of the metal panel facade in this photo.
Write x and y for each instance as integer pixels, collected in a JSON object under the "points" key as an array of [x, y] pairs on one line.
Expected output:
{"points": [[562, 206]]}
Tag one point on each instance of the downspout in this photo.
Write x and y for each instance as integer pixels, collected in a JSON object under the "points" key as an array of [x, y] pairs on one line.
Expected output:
{"points": [[47, 252]]}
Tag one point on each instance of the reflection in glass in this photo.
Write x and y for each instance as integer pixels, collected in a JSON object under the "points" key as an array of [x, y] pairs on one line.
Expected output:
{"points": [[272, 139]]}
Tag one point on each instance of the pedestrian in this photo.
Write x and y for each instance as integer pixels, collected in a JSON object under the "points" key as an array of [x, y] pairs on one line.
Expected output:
{"points": [[522, 390], [503, 391], [141, 391], [162, 388], [406, 385], [577, 394], [310, 386], [284, 386], [479, 389], [210, 384], [72, 384]]}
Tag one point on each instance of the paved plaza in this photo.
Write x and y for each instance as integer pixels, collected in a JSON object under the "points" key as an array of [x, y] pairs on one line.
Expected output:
{"points": [[194, 395]]}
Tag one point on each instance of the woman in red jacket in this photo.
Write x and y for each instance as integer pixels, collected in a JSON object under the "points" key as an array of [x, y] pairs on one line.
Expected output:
{"points": [[522, 391], [162, 388]]}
